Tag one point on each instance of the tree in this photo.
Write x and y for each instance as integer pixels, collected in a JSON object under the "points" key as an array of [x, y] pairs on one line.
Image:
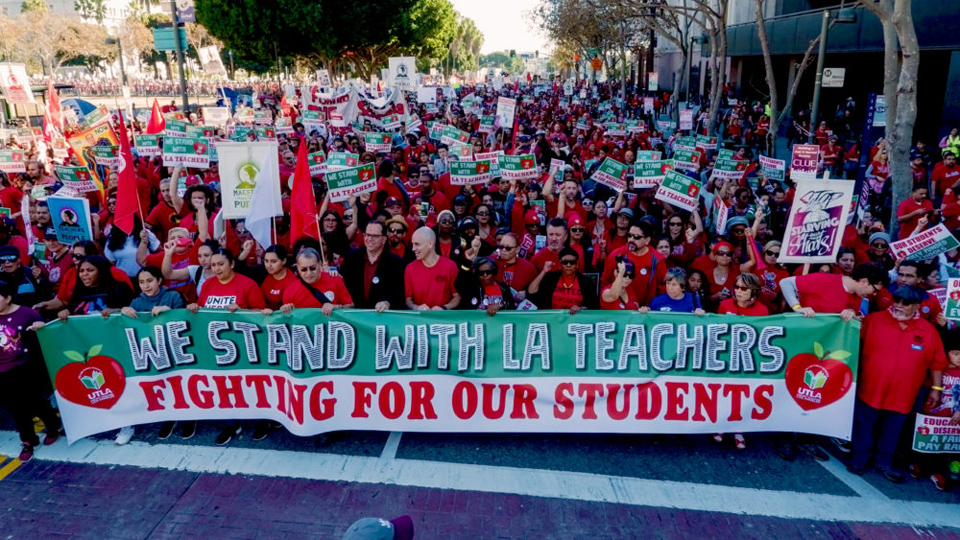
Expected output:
{"points": [[35, 6], [55, 39], [899, 90], [95, 10], [502, 60]]}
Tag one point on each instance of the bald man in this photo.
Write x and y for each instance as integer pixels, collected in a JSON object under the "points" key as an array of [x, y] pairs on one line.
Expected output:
{"points": [[430, 280]]}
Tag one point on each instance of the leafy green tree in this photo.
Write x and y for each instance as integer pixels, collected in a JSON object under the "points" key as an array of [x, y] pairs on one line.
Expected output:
{"points": [[35, 6], [95, 10]]}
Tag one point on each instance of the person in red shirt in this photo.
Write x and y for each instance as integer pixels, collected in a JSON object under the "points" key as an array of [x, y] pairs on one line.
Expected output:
{"points": [[911, 210], [618, 295], [832, 155], [898, 349], [183, 253], [315, 288], [430, 280], [230, 290], [945, 175], [163, 216], [278, 278], [833, 293], [515, 272], [908, 273], [390, 184], [651, 269], [556, 240]]}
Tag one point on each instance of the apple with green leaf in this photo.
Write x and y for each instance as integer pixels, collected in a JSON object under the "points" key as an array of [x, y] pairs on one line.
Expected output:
{"points": [[91, 379], [819, 379]]}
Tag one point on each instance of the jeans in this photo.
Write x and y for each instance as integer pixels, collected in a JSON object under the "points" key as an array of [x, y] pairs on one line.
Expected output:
{"points": [[875, 428]]}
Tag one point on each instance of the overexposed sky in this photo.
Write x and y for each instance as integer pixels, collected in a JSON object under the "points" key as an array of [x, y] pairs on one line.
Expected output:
{"points": [[504, 24]]}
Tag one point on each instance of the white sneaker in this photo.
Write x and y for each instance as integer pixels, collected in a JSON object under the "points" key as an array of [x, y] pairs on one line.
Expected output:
{"points": [[125, 434]]}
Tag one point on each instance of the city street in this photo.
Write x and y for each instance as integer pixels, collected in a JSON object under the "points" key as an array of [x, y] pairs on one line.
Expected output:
{"points": [[466, 486]]}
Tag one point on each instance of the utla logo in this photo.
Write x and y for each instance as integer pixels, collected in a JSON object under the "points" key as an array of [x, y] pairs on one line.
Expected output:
{"points": [[526, 163], [819, 379], [482, 168], [91, 380], [366, 174], [83, 176], [199, 148], [693, 190], [386, 139], [923, 430], [317, 159]]}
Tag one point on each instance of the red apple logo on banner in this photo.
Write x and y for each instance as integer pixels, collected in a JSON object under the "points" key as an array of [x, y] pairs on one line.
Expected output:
{"points": [[83, 176], [17, 156], [923, 430], [98, 382], [199, 148], [819, 379], [351, 161], [693, 190], [483, 167], [317, 159], [526, 163], [386, 139], [365, 174]]}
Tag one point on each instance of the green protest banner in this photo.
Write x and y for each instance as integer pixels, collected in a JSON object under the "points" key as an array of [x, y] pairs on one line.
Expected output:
{"points": [[926, 244], [686, 160], [649, 155], [951, 305], [595, 372], [679, 190], [436, 130], [200, 131], [186, 152], [147, 145], [649, 174], [523, 167], [11, 161], [377, 142], [487, 123], [79, 178], [685, 143], [493, 158], [313, 120], [611, 173], [936, 435], [725, 153], [174, 128], [106, 156], [337, 161], [452, 135], [318, 163], [345, 184], [464, 173], [729, 169], [707, 143], [265, 133]]}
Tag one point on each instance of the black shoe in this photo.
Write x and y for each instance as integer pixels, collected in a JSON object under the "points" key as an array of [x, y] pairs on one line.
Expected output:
{"points": [[228, 434], [166, 429], [856, 470], [261, 430], [787, 451], [893, 476], [844, 446], [813, 450], [189, 429]]}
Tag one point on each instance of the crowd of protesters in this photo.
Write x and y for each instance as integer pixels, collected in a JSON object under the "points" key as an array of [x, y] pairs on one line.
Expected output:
{"points": [[558, 242]]}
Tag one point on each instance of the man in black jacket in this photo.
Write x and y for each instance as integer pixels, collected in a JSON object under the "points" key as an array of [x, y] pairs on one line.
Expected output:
{"points": [[372, 274]]}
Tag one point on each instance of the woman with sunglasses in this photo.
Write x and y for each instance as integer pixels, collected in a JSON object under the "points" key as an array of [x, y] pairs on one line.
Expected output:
{"points": [[722, 275], [684, 238], [745, 301], [486, 224], [619, 295], [485, 291], [564, 289], [770, 273], [879, 251], [581, 242]]}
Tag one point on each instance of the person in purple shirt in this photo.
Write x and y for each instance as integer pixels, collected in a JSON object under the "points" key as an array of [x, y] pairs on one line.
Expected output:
{"points": [[675, 299]]}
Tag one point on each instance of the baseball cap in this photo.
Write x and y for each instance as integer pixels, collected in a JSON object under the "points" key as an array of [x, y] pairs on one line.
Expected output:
{"points": [[10, 253], [531, 218], [910, 293], [392, 201], [574, 220], [50, 233], [626, 212], [370, 528], [915, 155]]}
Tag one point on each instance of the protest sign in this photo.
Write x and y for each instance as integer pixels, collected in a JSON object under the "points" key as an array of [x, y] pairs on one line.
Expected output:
{"points": [[318, 163], [686, 119], [925, 245], [377, 142], [724, 153], [665, 125], [685, 143], [487, 124], [15, 84], [773, 169], [521, 168], [951, 303], [323, 78], [679, 190], [210, 60], [427, 94], [686, 160], [721, 214], [263, 117], [707, 143], [345, 184], [175, 128], [506, 108], [312, 121], [648, 105], [649, 155], [464, 173], [71, 219], [649, 174], [82, 144], [242, 166], [803, 165], [936, 435], [337, 161], [284, 125], [147, 145], [817, 219], [359, 370], [79, 178], [189, 152], [611, 173], [265, 133], [616, 130], [107, 156], [452, 135], [494, 159], [11, 161], [729, 169], [215, 116], [403, 72]]}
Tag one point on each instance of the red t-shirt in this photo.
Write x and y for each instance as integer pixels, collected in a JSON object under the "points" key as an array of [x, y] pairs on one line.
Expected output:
{"points": [[179, 261], [69, 282], [433, 286], [240, 290], [567, 294], [731, 307], [911, 205], [825, 293], [618, 303], [274, 288], [163, 218], [332, 287], [517, 275]]}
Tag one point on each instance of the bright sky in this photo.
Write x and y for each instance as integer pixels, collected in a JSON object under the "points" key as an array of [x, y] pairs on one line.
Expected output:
{"points": [[504, 24]]}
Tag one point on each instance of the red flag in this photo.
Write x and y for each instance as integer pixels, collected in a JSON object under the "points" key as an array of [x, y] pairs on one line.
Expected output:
{"points": [[157, 124], [303, 208], [128, 202]]}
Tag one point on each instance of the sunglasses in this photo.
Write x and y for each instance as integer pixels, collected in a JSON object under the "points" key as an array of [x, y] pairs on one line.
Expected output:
{"points": [[636, 236], [773, 253], [724, 254], [881, 245], [483, 213], [628, 275], [675, 224], [446, 221], [508, 248], [395, 231], [9, 258], [569, 262], [578, 229], [903, 302], [487, 272], [741, 288]]}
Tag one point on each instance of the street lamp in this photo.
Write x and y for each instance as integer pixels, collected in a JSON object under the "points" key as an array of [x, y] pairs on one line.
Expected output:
{"points": [[844, 16]]}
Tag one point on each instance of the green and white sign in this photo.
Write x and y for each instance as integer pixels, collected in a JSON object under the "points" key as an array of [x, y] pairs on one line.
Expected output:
{"points": [[318, 163], [242, 166], [951, 305], [464, 173], [686, 160], [345, 184], [188, 152], [337, 161], [649, 174], [78, 178], [11, 161], [679, 190], [520, 168], [147, 145], [925, 245], [611, 173], [936, 435], [487, 124], [174, 128], [452, 135], [494, 159], [377, 142]]}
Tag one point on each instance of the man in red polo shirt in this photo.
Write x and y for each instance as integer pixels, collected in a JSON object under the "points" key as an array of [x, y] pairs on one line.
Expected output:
{"points": [[908, 273], [911, 210], [513, 270], [898, 349], [651, 269], [833, 293], [945, 175]]}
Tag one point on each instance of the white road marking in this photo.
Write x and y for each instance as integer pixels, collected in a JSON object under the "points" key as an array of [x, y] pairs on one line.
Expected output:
{"points": [[391, 446], [854, 482], [527, 482]]}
